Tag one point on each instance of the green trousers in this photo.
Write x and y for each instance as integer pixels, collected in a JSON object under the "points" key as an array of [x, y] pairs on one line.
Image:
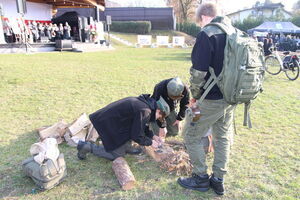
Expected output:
{"points": [[171, 130], [218, 115]]}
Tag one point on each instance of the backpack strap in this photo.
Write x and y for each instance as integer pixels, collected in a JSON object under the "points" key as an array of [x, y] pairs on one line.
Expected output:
{"points": [[247, 120], [213, 80]]}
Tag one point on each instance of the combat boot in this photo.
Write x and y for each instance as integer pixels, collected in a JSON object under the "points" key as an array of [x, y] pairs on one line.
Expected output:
{"points": [[83, 148], [217, 185], [196, 182], [132, 150], [99, 150]]}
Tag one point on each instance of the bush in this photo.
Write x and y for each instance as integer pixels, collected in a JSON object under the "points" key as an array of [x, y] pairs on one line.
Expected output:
{"points": [[139, 27], [296, 19], [248, 23], [188, 28]]}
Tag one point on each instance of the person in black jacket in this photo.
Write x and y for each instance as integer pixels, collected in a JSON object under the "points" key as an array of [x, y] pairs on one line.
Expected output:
{"points": [[174, 92], [121, 122]]}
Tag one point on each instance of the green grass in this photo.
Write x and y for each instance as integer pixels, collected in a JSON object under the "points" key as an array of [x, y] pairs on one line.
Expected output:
{"points": [[40, 89], [132, 37]]}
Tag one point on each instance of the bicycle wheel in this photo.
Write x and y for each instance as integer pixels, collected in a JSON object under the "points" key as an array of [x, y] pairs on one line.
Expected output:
{"points": [[293, 72], [272, 65]]}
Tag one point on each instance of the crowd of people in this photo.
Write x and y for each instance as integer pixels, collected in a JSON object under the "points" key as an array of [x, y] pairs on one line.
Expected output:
{"points": [[21, 31], [281, 42]]}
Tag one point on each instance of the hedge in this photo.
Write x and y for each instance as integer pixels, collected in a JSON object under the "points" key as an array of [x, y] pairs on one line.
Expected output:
{"points": [[188, 28], [139, 27]]}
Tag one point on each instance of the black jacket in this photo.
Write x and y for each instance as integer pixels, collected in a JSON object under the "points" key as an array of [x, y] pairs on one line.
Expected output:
{"points": [[160, 89], [124, 120]]}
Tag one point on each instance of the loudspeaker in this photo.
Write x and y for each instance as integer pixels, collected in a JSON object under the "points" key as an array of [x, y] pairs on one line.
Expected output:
{"points": [[61, 45], [21, 6]]}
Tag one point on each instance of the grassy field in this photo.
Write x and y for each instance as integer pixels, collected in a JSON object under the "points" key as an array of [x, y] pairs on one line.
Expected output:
{"points": [[40, 89]]}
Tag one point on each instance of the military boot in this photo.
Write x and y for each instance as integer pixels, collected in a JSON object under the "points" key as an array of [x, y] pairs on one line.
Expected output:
{"points": [[196, 182], [132, 150], [217, 185], [83, 148], [98, 150]]}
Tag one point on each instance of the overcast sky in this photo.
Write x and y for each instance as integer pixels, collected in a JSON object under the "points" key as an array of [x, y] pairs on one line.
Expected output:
{"points": [[227, 5]]}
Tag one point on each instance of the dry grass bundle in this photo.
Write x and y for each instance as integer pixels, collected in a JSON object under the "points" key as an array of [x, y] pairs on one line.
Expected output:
{"points": [[178, 163]]}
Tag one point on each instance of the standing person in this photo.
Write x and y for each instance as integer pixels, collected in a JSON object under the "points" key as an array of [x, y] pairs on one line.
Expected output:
{"points": [[60, 32], [67, 31], [123, 121], [174, 92], [208, 51], [54, 32], [48, 28]]}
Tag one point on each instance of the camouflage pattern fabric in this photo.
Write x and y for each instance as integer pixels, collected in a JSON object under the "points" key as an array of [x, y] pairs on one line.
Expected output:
{"points": [[197, 81]]}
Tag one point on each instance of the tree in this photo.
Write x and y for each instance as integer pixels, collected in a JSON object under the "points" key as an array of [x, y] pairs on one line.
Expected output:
{"points": [[296, 19], [248, 23], [184, 9]]}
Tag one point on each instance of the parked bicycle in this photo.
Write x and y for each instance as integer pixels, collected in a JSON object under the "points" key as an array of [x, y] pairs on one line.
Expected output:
{"points": [[289, 64]]}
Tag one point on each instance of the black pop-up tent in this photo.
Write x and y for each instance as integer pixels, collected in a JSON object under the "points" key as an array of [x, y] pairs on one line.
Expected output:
{"points": [[75, 21], [276, 27]]}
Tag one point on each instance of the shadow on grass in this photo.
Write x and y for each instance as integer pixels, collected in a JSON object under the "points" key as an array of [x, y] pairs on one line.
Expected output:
{"points": [[81, 174], [92, 178], [184, 56]]}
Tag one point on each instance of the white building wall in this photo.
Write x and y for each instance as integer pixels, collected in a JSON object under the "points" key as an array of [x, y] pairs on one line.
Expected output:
{"points": [[35, 11], [245, 14], [240, 16]]}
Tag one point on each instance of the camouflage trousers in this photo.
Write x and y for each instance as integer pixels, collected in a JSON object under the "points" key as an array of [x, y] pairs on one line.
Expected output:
{"points": [[171, 130], [218, 115]]}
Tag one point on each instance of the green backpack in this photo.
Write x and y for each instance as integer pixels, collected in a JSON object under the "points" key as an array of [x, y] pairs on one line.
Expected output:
{"points": [[241, 78], [46, 175]]}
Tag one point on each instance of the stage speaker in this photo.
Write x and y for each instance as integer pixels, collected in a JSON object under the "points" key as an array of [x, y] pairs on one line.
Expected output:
{"points": [[61, 45]]}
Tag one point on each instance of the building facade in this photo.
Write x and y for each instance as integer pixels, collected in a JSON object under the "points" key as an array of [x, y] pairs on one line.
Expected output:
{"points": [[260, 10]]}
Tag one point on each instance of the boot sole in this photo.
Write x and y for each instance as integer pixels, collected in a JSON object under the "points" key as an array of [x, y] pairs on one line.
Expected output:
{"points": [[191, 188], [218, 193]]}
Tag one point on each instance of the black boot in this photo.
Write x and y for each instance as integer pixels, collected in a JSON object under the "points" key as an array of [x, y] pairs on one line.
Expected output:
{"points": [[98, 150], [200, 183], [132, 150], [217, 185], [83, 148]]}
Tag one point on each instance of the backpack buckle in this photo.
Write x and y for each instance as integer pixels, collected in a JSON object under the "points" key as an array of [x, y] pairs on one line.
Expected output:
{"points": [[243, 67]]}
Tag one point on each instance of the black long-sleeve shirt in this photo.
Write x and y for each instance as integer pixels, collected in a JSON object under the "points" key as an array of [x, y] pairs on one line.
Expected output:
{"points": [[209, 52], [160, 90]]}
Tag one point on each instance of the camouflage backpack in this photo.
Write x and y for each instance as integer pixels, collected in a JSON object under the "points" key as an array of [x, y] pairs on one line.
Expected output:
{"points": [[241, 78], [46, 175]]}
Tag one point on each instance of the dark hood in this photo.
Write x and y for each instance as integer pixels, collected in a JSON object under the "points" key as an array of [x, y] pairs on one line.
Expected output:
{"points": [[151, 103]]}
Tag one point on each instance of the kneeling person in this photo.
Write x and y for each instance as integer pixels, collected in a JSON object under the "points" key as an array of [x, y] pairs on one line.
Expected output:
{"points": [[123, 121], [174, 92]]}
